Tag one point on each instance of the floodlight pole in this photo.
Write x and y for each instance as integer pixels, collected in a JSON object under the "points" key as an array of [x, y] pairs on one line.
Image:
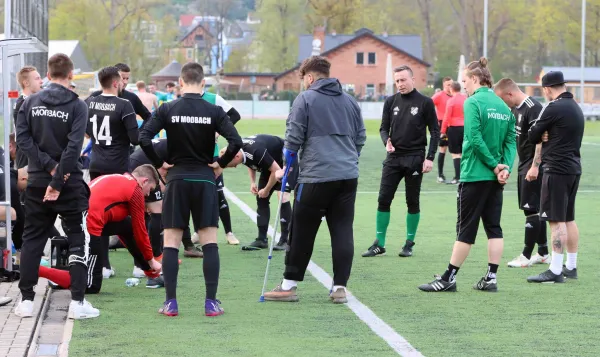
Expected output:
{"points": [[7, 18], [485, 28], [582, 79]]}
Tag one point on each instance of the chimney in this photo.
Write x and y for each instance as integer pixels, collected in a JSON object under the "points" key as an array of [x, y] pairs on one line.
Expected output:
{"points": [[385, 34], [333, 33], [318, 34]]}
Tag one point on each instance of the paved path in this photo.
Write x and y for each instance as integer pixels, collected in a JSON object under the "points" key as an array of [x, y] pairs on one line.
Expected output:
{"points": [[15, 332]]}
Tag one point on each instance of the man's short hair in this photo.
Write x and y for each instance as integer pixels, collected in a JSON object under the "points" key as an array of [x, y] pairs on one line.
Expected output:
{"points": [[148, 171], [23, 75], [140, 85], [456, 86], [446, 79], [404, 68], [122, 67], [506, 84], [107, 75], [60, 66], [315, 64], [172, 84], [191, 73]]}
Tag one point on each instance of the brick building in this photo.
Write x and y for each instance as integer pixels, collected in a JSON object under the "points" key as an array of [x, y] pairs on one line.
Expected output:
{"points": [[359, 60]]}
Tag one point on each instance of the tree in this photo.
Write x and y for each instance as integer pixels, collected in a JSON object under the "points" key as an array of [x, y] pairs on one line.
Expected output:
{"points": [[338, 15], [238, 60]]}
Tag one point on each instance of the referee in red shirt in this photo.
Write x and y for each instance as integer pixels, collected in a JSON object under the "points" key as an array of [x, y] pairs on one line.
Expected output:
{"points": [[440, 100], [453, 127], [117, 207]]}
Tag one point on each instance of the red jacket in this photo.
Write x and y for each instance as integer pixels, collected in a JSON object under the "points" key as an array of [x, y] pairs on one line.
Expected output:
{"points": [[112, 199], [455, 115]]}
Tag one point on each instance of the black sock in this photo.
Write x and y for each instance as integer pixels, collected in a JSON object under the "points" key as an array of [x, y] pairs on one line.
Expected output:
{"points": [[532, 232], [542, 240], [104, 243], [491, 273], [285, 217], [170, 266], [263, 212], [154, 229], [186, 239], [210, 267], [456, 168], [441, 157], [224, 212], [262, 232], [450, 273]]}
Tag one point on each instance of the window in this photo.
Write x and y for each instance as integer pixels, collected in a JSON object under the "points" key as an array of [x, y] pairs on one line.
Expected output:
{"points": [[189, 53], [371, 58], [370, 90], [596, 92], [360, 58], [349, 88]]}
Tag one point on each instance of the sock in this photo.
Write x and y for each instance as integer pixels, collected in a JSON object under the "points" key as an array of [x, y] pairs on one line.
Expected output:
{"points": [[170, 265], [335, 287], [262, 232], [456, 168], [154, 229], [491, 273], [441, 157], [532, 231], [224, 212], [288, 284], [556, 264], [542, 240], [285, 217], [104, 242], [210, 267], [59, 277], [450, 273], [412, 223], [571, 261], [383, 220]]}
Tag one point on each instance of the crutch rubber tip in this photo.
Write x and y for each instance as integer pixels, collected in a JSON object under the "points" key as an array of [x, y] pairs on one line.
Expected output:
{"points": [[270, 256], [262, 299]]}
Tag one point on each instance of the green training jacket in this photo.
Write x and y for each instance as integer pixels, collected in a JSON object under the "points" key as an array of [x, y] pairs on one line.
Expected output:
{"points": [[490, 137]]}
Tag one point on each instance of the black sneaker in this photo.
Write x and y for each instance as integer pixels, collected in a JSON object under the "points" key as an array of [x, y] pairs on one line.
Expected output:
{"points": [[439, 285], [374, 250], [258, 244], [407, 249], [569, 274], [155, 283], [547, 277], [281, 245], [483, 285]]}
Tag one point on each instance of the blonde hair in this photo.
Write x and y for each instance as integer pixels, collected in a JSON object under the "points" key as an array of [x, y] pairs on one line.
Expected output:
{"points": [[506, 84], [480, 70], [23, 75]]}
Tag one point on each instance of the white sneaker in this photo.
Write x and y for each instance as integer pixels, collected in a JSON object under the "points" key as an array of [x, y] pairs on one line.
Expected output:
{"points": [[107, 273], [520, 262], [82, 310], [24, 309], [138, 273], [195, 238], [538, 259], [231, 239]]}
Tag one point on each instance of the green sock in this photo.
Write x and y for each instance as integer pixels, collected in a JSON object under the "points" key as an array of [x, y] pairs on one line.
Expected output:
{"points": [[412, 223], [383, 220]]}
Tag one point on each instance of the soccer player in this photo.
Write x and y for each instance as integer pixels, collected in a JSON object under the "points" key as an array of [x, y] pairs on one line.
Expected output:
{"points": [[563, 121], [526, 110], [116, 208], [406, 117], [31, 82], [489, 148], [453, 127], [50, 129], [440, 100], [149, 100], [191, 124], [326, 126], [154, 207], [168, 96], [264, 153]]}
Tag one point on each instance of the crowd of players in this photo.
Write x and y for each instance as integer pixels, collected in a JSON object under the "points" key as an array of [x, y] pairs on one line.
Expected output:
{"points": [[155, 188]]}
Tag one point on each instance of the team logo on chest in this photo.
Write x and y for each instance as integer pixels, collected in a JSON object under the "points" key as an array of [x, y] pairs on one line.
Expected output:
{"points": [[396, 110], [414, 110]]}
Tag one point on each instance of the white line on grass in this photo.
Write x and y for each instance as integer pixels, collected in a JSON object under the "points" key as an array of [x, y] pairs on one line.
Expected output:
{"points": [[588, 143], [422, 192], [377, 325]]}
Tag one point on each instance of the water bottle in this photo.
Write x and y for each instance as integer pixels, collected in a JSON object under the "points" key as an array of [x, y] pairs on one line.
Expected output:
{"points": [[132, 282]]}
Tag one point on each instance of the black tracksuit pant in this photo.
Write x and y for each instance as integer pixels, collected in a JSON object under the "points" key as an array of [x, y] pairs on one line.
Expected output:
{"points": [[334, 200]]}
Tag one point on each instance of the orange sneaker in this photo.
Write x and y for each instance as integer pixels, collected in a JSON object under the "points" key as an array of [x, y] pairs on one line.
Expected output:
{"points": [[278, 294]]}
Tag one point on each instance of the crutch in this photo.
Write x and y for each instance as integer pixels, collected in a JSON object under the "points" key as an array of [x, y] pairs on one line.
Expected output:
{"points": [[290, 157]]}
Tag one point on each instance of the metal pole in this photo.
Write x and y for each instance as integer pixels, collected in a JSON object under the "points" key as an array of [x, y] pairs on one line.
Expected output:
{"points": [[485, 27], [582, 79], [7, 18]]}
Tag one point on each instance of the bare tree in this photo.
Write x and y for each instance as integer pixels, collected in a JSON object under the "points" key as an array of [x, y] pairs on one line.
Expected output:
{"points": [[460, 11], [425, 6]]}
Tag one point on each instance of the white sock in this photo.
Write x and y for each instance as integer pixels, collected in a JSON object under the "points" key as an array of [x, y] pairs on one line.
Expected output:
{"points": [[335, 287], [571, 261], [556, 264], [288, 284]]}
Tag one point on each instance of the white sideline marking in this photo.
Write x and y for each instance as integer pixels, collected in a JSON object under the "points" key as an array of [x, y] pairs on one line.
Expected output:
{"points": [[588, 143], [377, 325], [422, 192]]}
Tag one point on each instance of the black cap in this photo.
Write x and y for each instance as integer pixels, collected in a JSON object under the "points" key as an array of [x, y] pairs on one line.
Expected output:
{"points": [[553, 78]]}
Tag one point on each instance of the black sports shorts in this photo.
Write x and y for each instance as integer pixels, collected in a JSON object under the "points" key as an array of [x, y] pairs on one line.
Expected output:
{"points": [[558, 197], [529, 193], [455, 139], [478, 200], [198, 197], [444, 141]]}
